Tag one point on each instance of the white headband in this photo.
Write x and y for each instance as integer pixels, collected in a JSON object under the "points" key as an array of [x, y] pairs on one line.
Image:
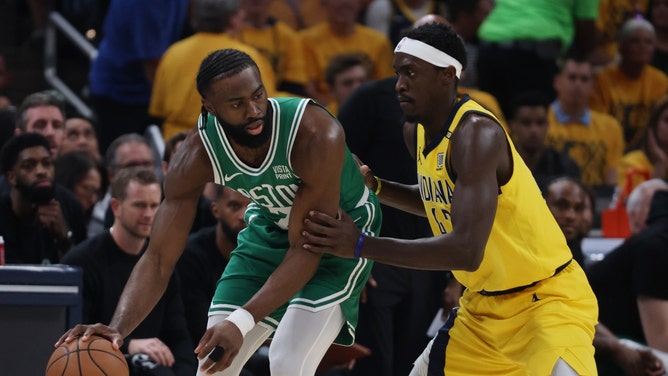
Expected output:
{"points": [[428, 53]]}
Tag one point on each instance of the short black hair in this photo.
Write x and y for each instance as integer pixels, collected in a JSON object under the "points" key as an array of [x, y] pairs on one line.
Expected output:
{"points": [[530, 98], [170, 145], [221, 64], [15, 145], [442, 37]]}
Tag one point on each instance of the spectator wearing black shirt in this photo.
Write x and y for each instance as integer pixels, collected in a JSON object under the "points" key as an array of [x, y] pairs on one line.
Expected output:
{"points": [[107, 260], [631, 284], [39, 220]]}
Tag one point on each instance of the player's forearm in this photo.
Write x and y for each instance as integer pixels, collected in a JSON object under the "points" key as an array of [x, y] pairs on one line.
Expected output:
{"points": [[401, 196], [444, 252], [142, 291], [150, 276], [295, 271]]}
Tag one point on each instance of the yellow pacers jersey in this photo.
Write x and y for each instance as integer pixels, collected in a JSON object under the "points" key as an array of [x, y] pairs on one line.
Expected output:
{"points": [[526, 244]]}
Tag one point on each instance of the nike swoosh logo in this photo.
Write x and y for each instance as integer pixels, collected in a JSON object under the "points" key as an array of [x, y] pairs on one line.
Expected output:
{"points": [[227, 178]]}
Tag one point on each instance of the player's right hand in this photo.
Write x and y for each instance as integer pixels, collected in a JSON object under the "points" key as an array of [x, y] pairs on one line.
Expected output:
{"points": [[85, 331]]}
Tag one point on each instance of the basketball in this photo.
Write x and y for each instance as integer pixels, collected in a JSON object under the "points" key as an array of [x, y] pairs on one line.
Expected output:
{"points": [[91, 358]]}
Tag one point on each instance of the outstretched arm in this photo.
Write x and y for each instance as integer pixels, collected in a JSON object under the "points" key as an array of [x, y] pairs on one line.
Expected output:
{"points": [[189, 171], [481, 159]]}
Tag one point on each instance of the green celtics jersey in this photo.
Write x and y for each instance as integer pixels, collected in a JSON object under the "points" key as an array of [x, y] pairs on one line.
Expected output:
{"points": [[273, 185]]}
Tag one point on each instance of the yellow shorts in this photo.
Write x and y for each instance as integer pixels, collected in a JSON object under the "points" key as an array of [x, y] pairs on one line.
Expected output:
{"points": [[522, 333]]}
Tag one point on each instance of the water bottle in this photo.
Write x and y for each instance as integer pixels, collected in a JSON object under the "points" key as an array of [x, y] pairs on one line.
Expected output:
{"points": [[2, 250]]}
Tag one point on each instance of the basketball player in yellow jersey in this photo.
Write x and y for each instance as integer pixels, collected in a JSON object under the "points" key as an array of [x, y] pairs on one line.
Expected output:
{"points": [[527, 308]]}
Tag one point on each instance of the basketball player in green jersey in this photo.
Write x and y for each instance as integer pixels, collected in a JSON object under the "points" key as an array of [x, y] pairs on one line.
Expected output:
{"points": [[527, 308], [288, 156]]}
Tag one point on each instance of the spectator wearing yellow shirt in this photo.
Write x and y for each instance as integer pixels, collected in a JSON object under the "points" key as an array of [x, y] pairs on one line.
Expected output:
{"points": [[341, 34], [629, 90], [593, 139], [278, 42], [298, 14], [174, 97]]}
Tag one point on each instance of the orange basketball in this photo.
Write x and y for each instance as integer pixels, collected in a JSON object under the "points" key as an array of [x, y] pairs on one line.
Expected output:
{"points": [[91, 358]]}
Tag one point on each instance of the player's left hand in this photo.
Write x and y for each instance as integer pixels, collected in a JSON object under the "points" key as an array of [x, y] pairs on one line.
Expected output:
{"points": [[225, 335], [326, 234]]}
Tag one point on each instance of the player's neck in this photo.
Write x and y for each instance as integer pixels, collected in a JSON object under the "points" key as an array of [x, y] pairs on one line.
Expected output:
{"points": [[252, 157]]}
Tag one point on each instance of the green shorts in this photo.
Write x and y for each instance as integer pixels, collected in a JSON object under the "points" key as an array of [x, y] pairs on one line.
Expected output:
{"points": [[262, 247]]}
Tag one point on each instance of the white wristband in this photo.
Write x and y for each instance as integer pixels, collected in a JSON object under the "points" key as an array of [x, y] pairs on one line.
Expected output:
{"points": [[242, 319]]}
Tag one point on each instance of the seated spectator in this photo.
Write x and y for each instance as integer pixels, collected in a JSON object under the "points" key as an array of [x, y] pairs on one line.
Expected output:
{"points": [[570, 203], [342, 33], [611, 16], [43, 113], [107, 260], [80, 136], [528, 125], [128, 150], [651, 159], [174, 98], [84, 176], [593, 139], [629, 90], [344, 74], [278, 42], [638, 203], [565, 197], [631, 282], [39, 220]]}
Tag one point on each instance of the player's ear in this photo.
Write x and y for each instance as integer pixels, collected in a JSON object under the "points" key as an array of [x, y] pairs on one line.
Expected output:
{"points": [[208, 106], [448, 74]]}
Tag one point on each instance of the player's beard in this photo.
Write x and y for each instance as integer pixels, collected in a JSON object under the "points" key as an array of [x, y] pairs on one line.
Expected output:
{"points": [[36, 195], [238, 134]]}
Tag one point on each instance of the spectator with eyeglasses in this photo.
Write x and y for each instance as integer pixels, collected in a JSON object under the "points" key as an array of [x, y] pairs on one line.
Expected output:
{"points": [[128, 150]]}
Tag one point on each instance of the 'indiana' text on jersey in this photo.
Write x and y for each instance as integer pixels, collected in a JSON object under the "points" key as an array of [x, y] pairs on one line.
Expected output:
{"points": [[438, 192]]}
